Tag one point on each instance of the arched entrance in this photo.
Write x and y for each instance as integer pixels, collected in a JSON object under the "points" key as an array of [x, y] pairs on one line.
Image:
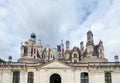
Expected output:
{"points": [[55, 78]]}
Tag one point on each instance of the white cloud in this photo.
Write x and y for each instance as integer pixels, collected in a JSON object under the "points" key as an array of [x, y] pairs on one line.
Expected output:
{"points": [[3, 12]]}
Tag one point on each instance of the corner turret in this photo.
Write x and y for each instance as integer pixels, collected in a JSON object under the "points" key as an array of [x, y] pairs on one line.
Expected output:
{"points": [[31, 51], [100, 50]]}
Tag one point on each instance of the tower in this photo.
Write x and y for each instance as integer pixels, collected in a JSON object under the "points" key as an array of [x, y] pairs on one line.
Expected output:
{"points": [[30, 50], [100, 50], [90, 44], [67, 45]]}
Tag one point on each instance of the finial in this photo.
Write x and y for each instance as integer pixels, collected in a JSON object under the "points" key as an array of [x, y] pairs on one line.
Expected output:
{"points": [[33, 35], [81, 42], [116, 58], [10, 58], [100, 41]]}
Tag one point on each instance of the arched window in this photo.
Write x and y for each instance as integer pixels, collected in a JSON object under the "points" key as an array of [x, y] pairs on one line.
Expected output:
{"points": [[55, 78], [30, 77], [108, 77], [84, 77], [16, 77]]}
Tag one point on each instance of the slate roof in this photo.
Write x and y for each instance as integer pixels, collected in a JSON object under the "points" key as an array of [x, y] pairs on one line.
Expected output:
{"points": [[1, 60]]}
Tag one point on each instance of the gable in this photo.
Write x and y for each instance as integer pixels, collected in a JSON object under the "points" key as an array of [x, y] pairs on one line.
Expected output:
{"points": [[56, 65]]}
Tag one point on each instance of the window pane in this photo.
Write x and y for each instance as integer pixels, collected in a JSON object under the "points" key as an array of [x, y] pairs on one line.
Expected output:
{"points": [[86, 81], [84, 77], [82, 81], [16, 77], [108, 77], [30, 77]]}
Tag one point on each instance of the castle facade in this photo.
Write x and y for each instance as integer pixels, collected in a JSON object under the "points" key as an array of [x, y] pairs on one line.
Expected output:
{"points": [[60, 65]]}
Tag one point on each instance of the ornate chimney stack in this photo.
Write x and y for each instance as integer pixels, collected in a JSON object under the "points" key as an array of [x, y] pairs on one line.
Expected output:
{"points": [[82, 48], [101, 49], [90, 44], [67, 45], [81, 45], [90, 38]]}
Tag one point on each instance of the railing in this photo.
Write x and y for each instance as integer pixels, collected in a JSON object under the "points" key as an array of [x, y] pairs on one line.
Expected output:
{"points": [[12, 64], [72, 64], [97, 64], [105, 64]]}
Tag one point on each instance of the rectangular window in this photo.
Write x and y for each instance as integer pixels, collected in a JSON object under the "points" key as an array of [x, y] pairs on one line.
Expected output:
{"points": [[75, 61], [30, 77], [16, 77], [25, 50], [75, 55], [84, 77], [108, 77]]}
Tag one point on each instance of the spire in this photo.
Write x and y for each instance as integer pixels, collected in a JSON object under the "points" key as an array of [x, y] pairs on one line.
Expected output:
{"points": [[100, 43]]}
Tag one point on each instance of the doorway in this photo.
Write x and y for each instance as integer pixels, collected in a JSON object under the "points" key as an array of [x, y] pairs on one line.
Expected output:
{"points": [[55, 78]]}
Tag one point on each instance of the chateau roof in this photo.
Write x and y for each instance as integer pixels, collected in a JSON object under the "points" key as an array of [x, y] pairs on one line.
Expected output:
{"points": [[1, 60]]}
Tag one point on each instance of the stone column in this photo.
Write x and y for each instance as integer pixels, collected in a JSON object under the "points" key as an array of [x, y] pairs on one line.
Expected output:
{"points": [[115, 76], [23, 76], [6, 76]]}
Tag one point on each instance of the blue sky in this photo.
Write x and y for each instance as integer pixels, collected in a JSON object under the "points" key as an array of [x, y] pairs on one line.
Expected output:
{"points": [[56, 20]]}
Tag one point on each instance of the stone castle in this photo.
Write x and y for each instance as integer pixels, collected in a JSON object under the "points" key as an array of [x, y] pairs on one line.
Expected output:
{"points": [[34, 52], [60, 65]]}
